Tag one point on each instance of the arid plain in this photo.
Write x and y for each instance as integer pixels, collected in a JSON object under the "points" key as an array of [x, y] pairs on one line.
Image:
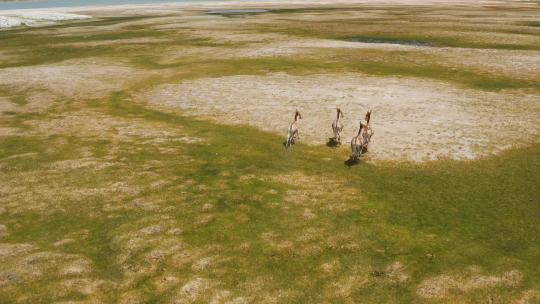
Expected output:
{"points": [[141, 154]]}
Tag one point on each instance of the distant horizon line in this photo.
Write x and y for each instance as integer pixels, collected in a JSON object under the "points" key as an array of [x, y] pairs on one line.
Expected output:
{"points": [[46, 4]]}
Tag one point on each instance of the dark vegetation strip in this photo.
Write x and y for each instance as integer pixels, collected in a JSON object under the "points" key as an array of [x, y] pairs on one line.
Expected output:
{"points": [[438, 41], [533, 23], [345, 62]]}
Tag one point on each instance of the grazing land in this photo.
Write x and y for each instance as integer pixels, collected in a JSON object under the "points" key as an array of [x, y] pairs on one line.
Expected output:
{"points": [[141, 156]]}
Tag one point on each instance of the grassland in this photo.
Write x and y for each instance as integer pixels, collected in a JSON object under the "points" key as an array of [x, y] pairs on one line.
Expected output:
{"points": [[106, 198]]}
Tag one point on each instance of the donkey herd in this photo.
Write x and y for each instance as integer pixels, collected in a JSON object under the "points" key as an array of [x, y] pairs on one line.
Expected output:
{"points": [[359, 143]]}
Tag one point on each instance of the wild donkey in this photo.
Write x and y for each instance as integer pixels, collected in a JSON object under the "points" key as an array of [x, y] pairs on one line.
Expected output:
{"points": [[357, 144], [292, 131], [360, 143], [337, 127], [368, 132]]}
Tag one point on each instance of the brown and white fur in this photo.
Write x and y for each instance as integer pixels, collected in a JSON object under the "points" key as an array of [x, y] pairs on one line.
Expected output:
{"points": [[292, 131], [337, 126], [357, 144], [360, 143], [367, 132]]}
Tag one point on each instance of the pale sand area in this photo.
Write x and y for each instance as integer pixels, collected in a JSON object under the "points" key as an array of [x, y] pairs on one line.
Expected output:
{"points": [[35, 18], [413, 119]]}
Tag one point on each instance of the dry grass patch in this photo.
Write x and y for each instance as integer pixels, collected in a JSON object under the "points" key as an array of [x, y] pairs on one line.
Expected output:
{"points": [[314, 192], [75, 79], [529, 296], [28, 265], [347, 286], [93, 124], [450, 286]]}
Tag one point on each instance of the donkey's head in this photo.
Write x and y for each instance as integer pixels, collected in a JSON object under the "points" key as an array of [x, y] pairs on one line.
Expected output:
{"points": [[297, 115], [339, 113], [368, 116]]}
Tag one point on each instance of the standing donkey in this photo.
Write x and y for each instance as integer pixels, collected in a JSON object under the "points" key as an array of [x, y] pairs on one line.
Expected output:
{"points": [[337, 127], [292, 131]]}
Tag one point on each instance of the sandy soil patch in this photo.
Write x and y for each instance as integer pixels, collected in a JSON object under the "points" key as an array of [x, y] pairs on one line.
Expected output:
{"points": [[306, 46], [346, 286], [515, 64], [7, 106], [69, 79], [413, 119], [74, 164], [89, 123], [38, 101], [396, 273], [529, 296], [234, 35]]}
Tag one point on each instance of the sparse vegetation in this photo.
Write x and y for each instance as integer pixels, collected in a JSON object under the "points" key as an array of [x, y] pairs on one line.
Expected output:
{"points": [[105, 197]]}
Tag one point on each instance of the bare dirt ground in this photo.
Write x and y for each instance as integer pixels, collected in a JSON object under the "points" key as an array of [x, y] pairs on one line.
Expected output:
{"points": [[73, 79], [413, 119]]}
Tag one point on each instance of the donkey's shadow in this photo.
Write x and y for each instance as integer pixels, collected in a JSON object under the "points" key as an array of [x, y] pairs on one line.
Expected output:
{"points": [[285, 144], [332, 143], [351, 162]]}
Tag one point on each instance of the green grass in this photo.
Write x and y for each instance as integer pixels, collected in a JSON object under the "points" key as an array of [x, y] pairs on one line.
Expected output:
{"points": [[115, 36], [52, 54], [464, 213], [371, 62], [388, 30], [481, 213], [19, 100]]}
